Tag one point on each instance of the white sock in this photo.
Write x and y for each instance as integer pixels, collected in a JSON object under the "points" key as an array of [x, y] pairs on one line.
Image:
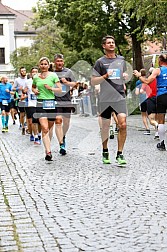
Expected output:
{"points": [[161, 132]]}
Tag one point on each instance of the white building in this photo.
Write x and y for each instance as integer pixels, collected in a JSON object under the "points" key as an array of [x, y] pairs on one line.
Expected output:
{"points": [[14, 33]]}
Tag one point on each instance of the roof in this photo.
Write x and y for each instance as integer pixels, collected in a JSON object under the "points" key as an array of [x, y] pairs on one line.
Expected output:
{"points": [[22, 17], [27, 13], [4, 10]]}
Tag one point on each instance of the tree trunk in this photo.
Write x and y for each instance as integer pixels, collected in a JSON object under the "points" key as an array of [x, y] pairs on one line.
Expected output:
{"points": [[137, 53]]}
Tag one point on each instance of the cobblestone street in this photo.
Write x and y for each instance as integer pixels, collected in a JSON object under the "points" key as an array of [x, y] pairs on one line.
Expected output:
{"points": [[78, 204]]}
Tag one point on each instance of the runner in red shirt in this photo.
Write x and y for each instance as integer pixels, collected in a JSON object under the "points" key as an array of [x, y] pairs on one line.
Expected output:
{"points": [[151, 92]]}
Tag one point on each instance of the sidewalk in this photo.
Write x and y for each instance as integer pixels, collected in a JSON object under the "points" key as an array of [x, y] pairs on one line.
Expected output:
{"points": [[78, 204]]}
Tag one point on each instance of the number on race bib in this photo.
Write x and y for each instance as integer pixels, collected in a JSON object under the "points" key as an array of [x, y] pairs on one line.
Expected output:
{"points": [[63, 88], [48, 104], [33, 97], [5, 102], [116, 74]]}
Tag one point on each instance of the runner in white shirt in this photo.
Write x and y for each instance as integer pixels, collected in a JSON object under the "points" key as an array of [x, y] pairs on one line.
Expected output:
{"points": [[33, 123]]}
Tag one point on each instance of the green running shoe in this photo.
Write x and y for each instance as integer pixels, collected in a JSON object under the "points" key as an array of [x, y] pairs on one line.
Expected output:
{"points": [[106, 159], [121, 160], [6, 129], [3, 130]]}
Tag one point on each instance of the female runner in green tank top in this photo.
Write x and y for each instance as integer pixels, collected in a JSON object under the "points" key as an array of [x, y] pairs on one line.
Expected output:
{"points": [[45, 84]]}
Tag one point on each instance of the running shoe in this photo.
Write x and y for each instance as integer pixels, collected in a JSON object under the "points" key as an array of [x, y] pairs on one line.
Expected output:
{"points": [[116, 131], [23, 131], [37, 141], [161, 146], [3, 130], [15, 117], [120, 159], [14, 122], [32, 138], [27, 132], [48, 157], [6, 129], [111, 133], [156, 135], [62, 150], [106, 159], [147, 132], [64, 141]]}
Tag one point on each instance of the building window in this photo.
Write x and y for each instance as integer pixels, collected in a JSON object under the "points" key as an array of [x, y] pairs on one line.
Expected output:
{"points": [[1, 29], [2, 55]]}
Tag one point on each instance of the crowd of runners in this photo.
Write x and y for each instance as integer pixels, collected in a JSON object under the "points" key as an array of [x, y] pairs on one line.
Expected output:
{"points": [[148, 107], [40, 101], [43, 100]]}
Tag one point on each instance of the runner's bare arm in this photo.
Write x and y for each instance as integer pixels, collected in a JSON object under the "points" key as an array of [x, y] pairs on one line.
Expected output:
{"points": [[56, 89]]}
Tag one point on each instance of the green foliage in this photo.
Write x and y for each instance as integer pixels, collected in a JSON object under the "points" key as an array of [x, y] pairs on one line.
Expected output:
{"points": [[47, 43], [75, 28], [84, 23], [22, 57], [136, 111]]}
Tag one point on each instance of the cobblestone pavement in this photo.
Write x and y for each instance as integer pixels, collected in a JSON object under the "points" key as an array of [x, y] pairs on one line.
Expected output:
{"points": [[78, 204]]}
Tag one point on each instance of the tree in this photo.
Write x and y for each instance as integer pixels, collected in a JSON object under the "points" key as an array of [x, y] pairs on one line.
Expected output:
{"points": [[22, 57], [47, 43], [144, 19], [84, 23]]}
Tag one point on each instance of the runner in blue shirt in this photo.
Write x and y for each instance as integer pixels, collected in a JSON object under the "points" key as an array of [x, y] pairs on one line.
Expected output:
{"points": [[5, 99], [161, 75]]}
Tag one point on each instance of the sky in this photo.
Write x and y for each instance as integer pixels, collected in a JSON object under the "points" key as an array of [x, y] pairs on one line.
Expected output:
{"points": [[20, 4]]}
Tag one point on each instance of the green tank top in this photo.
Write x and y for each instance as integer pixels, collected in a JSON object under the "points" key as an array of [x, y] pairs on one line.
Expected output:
{"points": [[45, 94]]}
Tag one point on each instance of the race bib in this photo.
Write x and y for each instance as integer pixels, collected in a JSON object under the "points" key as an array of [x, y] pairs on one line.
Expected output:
{"points": [[63, 88], [48, 104], [116, 74], [33, 97], [5, 102]]}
